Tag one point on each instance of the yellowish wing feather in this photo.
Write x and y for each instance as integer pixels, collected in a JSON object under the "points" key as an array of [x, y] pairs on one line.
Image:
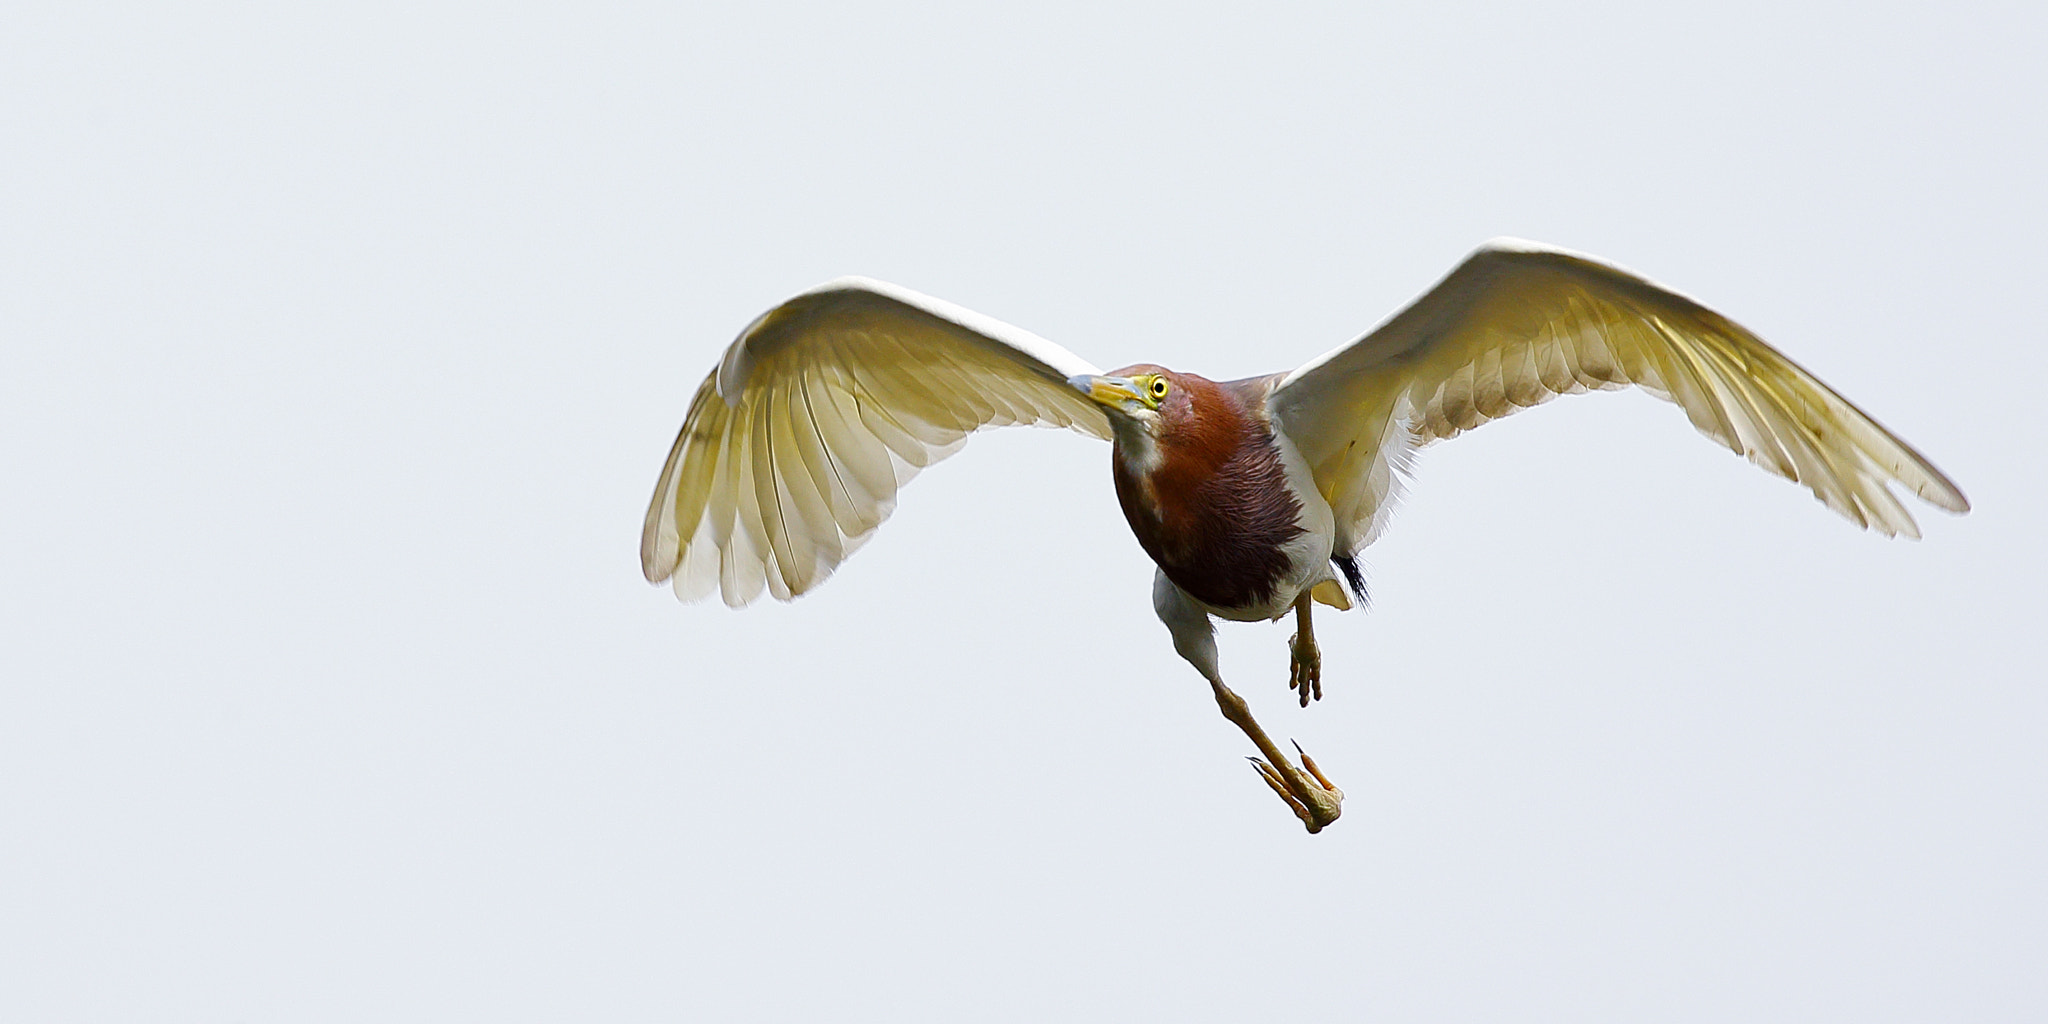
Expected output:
{"points": [[1517, 324], [794, 447]]}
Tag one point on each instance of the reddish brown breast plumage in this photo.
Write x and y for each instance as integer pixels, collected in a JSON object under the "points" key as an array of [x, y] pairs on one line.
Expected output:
{"points": [[1215, 512]]}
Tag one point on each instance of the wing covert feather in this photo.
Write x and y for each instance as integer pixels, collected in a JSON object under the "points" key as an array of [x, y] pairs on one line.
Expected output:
{"points": [[795, 446], [1517, 324]]}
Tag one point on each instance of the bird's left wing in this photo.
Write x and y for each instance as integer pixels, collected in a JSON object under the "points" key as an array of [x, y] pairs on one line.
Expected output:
{"points": [[1518, 324], [794, 447]]}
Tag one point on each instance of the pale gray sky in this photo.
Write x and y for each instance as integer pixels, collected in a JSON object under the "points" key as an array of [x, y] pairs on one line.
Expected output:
{"points": [[342, 346]]}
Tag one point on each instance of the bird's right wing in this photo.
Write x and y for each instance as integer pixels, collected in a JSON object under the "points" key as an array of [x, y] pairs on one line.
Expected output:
{"points": [[794, 447], [1518, 324]]}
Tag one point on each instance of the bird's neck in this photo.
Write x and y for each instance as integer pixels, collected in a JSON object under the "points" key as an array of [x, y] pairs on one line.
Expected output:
{"points": [[1162, 464], [1135, 448], [1164, 459]]}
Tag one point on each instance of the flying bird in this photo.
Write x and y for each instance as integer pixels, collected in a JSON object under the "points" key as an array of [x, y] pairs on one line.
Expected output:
{"points": [[1253, 497]]}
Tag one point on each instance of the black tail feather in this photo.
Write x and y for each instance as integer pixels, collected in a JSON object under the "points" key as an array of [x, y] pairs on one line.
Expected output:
{"points": [[1348, 565]]}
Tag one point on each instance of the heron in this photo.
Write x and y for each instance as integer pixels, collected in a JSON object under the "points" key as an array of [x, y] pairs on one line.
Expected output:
{"points": [[1252, 497]]}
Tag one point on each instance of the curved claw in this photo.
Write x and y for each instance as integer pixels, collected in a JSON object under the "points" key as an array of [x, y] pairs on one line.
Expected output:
{"points": [[1305, 668], [1311, 795]]}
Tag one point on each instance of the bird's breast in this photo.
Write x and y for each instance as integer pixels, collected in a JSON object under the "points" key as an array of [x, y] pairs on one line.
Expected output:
{"points": [[1221, 521]]}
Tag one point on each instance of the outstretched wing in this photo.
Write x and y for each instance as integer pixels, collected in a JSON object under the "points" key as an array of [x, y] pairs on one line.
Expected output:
{"points": [[1518, 324], [795, 446]]}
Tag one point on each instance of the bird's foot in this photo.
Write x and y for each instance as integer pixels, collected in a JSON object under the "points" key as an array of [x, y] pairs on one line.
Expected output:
{"points": [[1313, 797], [1305, 667]]}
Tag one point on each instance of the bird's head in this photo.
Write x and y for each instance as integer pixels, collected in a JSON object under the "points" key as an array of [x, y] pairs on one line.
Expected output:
{"points": [[1147, 405], [1145, 397]]}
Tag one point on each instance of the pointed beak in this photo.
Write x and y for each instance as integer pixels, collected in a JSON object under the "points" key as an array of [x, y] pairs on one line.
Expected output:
{"points": [[1109, 391]]}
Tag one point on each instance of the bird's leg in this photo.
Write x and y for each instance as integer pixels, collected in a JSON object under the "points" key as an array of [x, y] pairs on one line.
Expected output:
{"points": [[1312, 796], [1304, 658]]}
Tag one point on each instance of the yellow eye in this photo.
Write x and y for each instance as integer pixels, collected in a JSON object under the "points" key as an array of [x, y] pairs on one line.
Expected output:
{"points": [[1158, 387]]}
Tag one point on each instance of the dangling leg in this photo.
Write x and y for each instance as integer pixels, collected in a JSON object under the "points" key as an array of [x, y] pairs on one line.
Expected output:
{"points": [[1312, 797], [1304, 658]]}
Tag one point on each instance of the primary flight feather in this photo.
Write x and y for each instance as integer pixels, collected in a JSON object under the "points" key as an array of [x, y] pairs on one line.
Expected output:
{"points": [[1253, 497]]}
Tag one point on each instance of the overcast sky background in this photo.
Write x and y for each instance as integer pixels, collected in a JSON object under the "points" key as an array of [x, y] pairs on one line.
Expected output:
{"points": [[339, 349]]}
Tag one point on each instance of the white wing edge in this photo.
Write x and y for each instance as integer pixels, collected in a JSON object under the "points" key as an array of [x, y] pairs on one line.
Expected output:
{"points": [[1503, 243], [738, 363]]}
